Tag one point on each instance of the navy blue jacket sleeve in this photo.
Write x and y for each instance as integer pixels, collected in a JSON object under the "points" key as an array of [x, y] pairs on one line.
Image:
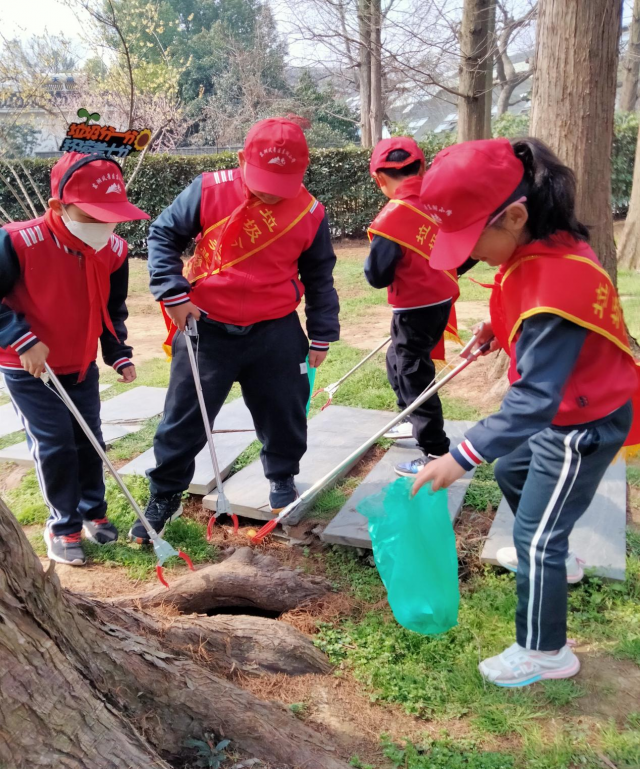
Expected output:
{"points": [[380, 264], [115, 351], [322, 307], [466, 266], [547, 351], [14, 329], [169, 236]]}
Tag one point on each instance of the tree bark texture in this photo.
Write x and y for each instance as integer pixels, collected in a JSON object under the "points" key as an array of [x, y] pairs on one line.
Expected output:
{"points": [[364, 25], [227, 644], [491, 56], [246, 579], [574, 101], [82, 692], [629, 245], [376, 72], [474, 51], [631, 64]]}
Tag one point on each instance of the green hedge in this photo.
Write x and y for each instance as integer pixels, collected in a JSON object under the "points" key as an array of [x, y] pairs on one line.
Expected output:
{"points": [[339, 177]]}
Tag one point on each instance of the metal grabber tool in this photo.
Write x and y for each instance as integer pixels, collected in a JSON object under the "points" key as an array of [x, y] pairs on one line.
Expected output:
{"points": [[468, 358], [332, 389], [223, 506], [162, 548]]}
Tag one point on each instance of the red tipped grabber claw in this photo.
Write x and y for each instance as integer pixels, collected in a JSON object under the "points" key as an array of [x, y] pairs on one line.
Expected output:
{"points": [[162, 548], [214, 518], [159, 565]]}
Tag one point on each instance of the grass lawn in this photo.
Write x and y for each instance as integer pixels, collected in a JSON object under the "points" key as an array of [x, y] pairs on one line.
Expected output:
{"points": [[445, 716]]}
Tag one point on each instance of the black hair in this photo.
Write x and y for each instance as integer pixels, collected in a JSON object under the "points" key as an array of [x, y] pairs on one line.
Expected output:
{"points": [[550, 189], [397, 156]]}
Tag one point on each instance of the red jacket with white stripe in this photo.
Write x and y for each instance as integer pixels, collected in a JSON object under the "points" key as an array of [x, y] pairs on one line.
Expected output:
{"points": [[43, 289]]}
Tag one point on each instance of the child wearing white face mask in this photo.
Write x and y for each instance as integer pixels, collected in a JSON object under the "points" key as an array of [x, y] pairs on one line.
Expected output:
{"points": [[63, 287]]}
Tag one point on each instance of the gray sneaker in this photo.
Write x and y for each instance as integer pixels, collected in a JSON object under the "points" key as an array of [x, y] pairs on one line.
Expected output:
{"points": [[400, 431], [65, 549], [100, 531]]}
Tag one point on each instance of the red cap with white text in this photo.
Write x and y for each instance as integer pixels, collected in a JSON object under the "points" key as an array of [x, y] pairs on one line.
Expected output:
{"points": [[276, 157], [94, 184], [464, 186]]}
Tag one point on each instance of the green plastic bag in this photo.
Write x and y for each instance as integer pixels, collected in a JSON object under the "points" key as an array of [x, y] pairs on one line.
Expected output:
{"points": [[312, 379], [414, 548]]}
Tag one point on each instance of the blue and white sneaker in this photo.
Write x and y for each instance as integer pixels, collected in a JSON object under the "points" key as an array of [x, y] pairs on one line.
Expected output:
{"points": [[517, 666], [412, 468]]}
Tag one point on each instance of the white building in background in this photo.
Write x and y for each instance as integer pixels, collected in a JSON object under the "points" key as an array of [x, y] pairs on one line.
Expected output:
{"points": [[50, 122]]}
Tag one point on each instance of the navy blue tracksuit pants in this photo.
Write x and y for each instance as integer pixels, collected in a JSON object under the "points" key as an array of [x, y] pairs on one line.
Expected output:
{"points": [[268, 360], [549, 482], [69, 470]]}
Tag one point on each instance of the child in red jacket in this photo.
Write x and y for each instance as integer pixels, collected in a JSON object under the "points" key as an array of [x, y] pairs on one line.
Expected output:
{"points": [[63, 286], [568, 413], [264, 243], [402, 236]]}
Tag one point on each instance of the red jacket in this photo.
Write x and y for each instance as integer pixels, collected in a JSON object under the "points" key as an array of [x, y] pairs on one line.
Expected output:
{"points": [[604, 377], [264, 286], [51, 292], [406, 221]]}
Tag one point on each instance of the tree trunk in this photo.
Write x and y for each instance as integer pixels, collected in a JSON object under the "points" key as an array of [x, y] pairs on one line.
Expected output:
{"points": [[364, 25], [246, 579], [376, 71], [488, 107], [505, 97], [631, 64], [629, 246], [82, 692], [574, 101], [474, 49]]}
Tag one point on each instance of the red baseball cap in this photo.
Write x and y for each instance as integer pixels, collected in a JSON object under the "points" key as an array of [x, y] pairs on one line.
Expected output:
{"points": [[276, 157], [383, 148], [464, 186], [94, 184]]}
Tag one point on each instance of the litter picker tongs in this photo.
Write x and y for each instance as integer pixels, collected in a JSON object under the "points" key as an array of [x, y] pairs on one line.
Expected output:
{"points": [[223, 506], [162, 548], [332, 388], [446, 375]]}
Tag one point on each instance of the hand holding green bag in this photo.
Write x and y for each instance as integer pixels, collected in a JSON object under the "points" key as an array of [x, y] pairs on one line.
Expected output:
{"points": [[414, 548]]}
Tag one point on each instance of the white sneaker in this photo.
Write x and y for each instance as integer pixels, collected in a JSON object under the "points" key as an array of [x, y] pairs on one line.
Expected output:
{"points": [[520, 667], [400, 431], [508, 559]]}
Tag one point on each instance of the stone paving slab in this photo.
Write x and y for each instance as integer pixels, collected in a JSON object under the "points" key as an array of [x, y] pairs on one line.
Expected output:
{"points": [[350, 528], [333, 435], [599, 537], [134, 405], [20, 455], [9, 421], [229, 446]]}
